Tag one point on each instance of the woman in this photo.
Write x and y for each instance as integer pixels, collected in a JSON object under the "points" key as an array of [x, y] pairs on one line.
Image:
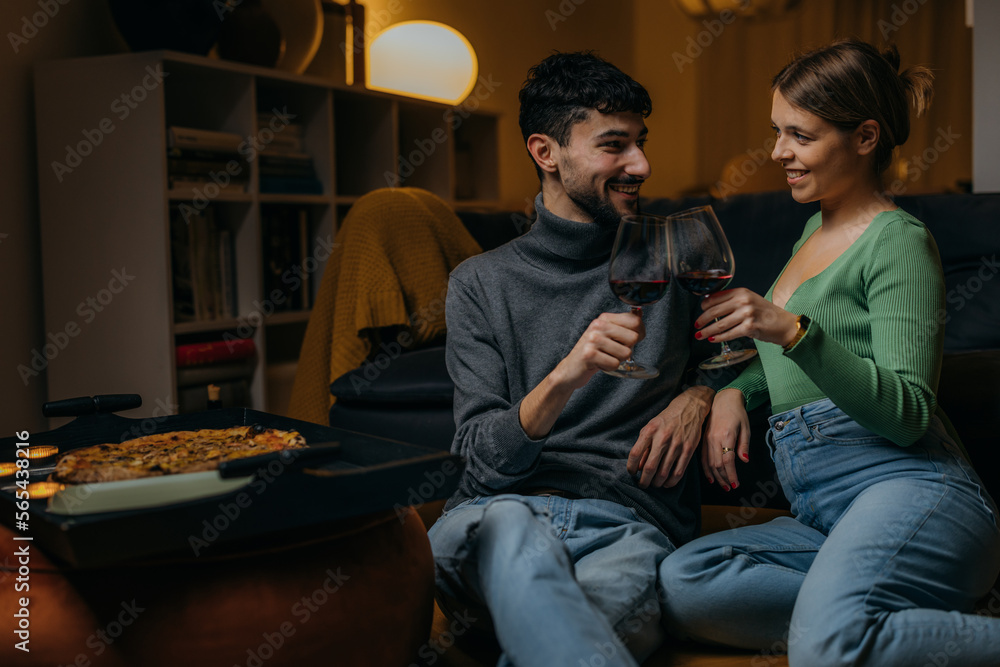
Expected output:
{"points": [[892, 529]]}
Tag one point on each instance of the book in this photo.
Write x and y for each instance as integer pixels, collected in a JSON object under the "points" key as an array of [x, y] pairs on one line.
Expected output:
{"points": [[285, 245], [197, 139], [227, 275], [181, 270], [283, 143], [214, 373], [190, 187], [290, 185], [202, 264], [211, 352], [203, 166], [305, 251]]}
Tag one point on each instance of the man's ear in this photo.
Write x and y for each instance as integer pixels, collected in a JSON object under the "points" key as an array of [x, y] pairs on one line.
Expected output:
{"points": [[866, 137], [544, 151]]}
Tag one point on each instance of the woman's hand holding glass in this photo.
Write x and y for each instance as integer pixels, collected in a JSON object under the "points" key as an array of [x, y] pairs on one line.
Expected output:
{"points": [[736, 313], [702, 262]]}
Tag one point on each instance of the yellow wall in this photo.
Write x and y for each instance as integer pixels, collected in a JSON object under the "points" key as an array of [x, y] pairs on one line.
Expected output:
{"points": [[705, 111], [510, 37]]}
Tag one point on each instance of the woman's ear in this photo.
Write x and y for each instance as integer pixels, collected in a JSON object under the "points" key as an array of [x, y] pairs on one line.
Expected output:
{"points": [[866, 137], [544, 152]]}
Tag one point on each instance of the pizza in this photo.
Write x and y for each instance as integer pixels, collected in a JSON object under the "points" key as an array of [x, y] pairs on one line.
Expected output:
{"points": [[170, 453]]}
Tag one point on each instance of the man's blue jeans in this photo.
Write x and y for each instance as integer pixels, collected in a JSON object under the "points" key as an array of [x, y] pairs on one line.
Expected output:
{"points": [[561, 582], [886, 544]]}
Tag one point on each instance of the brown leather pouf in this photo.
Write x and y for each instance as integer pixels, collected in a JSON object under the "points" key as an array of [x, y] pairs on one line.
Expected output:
{"points": [[362, 596]]}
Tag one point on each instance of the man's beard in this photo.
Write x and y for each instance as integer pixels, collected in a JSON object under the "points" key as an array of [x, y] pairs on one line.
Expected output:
{"points": [[599, 208]]}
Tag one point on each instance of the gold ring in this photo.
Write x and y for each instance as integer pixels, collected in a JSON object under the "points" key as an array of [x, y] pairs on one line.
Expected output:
{"points": [[726, 449]]}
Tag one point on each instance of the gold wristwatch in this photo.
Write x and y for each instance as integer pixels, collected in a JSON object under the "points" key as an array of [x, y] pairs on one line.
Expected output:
{"points": [[801, 326]]}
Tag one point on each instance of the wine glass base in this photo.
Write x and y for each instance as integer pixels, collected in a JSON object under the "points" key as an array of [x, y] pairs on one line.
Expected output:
{"points": [[634, 371], [727, 359]]}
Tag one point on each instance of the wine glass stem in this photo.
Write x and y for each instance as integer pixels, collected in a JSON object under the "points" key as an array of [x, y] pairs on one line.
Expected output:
{"points": [[726, 352], [630, 363]]}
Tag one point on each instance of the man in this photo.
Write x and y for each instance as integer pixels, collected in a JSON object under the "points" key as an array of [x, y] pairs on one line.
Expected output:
{"points": [[576, 482]]}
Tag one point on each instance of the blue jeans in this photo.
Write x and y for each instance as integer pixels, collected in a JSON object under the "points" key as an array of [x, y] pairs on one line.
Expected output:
{"points": [[560, 581], [888, 545]]}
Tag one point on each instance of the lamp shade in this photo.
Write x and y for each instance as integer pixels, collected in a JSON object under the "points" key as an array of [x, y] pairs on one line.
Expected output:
{"points": [[701, 9], [422, 59]]}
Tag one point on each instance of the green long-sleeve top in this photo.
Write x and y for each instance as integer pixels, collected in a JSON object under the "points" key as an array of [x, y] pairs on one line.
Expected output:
{"points": [[876, 336]]}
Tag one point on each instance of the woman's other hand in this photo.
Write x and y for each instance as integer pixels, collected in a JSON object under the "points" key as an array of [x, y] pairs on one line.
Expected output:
{"points": [[726, 436]]}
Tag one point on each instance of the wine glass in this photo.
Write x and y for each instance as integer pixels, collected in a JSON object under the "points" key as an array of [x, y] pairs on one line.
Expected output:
{"points": [[702, 263], [639, 273]]}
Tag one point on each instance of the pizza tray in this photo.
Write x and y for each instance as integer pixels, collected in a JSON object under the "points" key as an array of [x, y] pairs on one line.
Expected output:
{"points": [[342, 474]]}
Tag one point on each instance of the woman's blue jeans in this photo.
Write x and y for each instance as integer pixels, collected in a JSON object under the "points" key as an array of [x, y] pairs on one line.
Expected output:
{"points": [[888, 546], [560, 581]]}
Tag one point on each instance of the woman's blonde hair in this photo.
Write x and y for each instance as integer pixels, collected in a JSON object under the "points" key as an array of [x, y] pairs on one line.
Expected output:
{"points": [[851, 81]]}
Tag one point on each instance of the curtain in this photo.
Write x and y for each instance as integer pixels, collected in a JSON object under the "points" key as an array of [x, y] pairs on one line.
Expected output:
{"points": [[734, 101]]}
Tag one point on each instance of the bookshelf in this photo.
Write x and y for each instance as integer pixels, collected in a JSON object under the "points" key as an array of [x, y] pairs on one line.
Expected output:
{"points": [[112, 194]]}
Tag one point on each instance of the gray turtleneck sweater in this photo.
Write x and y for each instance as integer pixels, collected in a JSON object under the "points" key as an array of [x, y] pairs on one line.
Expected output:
{"points": [[513, 314]]}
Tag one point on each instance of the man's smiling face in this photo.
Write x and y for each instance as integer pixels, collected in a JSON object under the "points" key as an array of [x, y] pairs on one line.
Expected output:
{"points": [[601, 168]]}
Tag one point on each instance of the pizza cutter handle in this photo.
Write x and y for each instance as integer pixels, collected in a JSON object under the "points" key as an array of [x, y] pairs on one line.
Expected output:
{"points": [[89, 405]]}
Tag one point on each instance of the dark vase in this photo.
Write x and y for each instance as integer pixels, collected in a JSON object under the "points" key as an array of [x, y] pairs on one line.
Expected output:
{"points": [[250, 35], [191, 26]]}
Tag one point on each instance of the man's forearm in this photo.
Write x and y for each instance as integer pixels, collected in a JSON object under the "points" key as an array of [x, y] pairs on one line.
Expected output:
{"points": [[543, 405]]}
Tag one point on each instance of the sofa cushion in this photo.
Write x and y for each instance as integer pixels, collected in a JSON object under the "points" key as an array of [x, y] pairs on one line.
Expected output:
{"points": [[419, 376], [493, 229], [967, 231]]}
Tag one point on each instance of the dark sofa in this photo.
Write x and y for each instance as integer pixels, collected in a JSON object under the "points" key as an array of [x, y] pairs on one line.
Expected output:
{"points": [[411, 398]]}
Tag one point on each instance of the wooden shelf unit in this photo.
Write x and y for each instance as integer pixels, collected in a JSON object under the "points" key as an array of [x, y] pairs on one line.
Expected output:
{"points": [[106, 205]]}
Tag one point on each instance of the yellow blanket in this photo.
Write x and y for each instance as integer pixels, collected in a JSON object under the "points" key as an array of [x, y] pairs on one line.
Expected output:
{"points": [[389, 267]]}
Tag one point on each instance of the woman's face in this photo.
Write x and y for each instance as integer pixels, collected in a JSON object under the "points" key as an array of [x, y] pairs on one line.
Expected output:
{"points": [[821, 161]]}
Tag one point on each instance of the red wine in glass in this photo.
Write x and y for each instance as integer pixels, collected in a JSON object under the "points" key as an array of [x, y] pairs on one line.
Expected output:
{"points": [[704, 282], [703, 264], [640, 292], [639, 274]]}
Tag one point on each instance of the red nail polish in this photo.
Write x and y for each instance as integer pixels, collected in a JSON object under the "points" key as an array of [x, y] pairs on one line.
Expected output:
{"points": [[711, 339], [726, 488], [736, 485], [697, 335], [697, 325], [745, 457]]}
